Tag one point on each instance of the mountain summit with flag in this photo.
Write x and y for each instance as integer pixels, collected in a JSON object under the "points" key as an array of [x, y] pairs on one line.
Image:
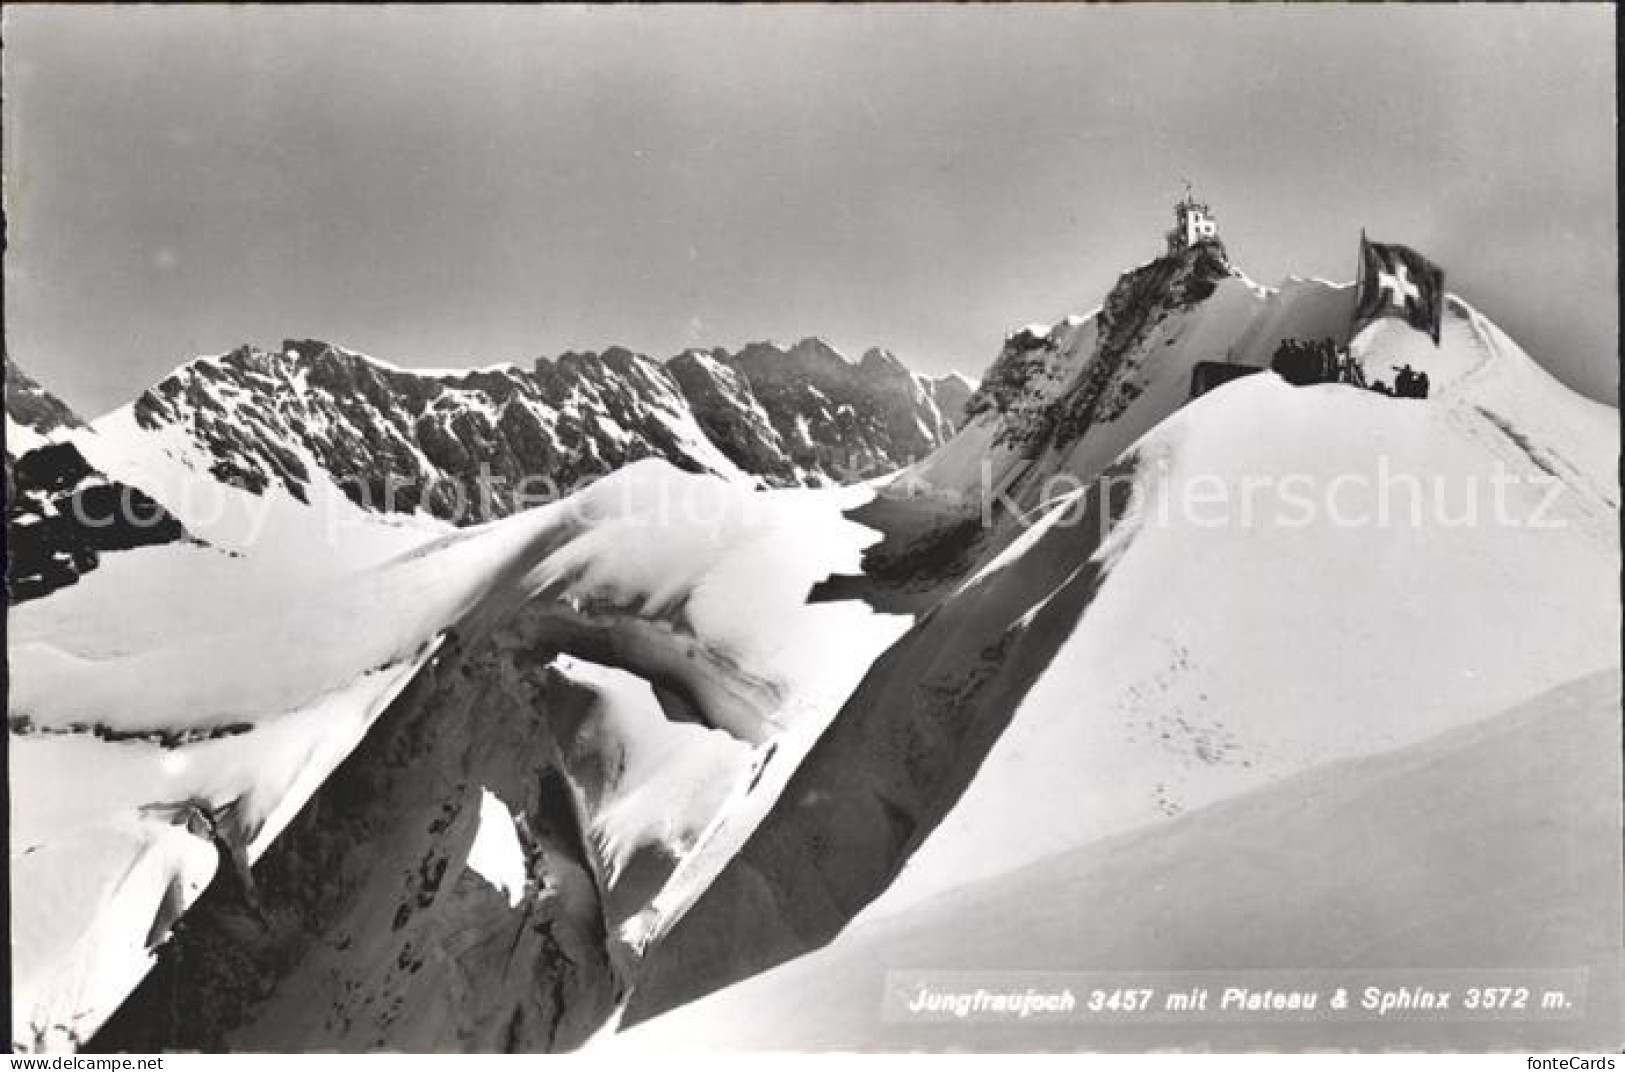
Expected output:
{"points": [[1397, 281], [596, 766]]}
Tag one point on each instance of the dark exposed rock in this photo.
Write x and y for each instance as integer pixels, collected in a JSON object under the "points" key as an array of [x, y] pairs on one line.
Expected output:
{"points": [[731, 415], [32, 406], [839, 421], [1139, 299], [62, 516], [951, 394], [388, 837], [470, 446]]}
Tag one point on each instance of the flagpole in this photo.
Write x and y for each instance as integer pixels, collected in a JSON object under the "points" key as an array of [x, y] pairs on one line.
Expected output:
{"points": [[1437, 279], [1359, 291], [1359, 273]]}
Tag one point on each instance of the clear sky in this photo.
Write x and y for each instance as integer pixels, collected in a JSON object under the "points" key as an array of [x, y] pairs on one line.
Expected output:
{"points": [[467, 186]]}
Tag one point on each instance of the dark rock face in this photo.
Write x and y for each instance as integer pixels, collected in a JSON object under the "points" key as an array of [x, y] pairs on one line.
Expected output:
{"points": [[32, 406], [369, 928], [840, 421], [951, 394], [1140, 299], [1024, 357], [471, 446], [731, 414], [1136, 303], [62, 516], [465, 446]]}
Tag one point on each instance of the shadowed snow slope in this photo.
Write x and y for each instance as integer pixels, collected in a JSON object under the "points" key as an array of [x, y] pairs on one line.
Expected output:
{"points": [[1476, 849]]}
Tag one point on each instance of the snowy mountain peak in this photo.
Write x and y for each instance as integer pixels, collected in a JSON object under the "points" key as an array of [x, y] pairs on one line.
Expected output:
{"points": [[34, 416], [879, 362], [1049, 385], [407, 440], [1074, 395]]}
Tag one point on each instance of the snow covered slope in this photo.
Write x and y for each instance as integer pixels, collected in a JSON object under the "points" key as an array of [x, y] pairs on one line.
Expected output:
{"points": [[1271, 579], [118, 738], [502, 782], [1462, 834]]}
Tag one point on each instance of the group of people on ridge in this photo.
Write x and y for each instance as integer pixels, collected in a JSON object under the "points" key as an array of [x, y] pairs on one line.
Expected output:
{"points": [[1303, 362], [1408, 383]]}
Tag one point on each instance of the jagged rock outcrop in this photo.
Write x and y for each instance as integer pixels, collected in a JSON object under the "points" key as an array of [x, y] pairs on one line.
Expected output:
{"points": [[840, 421], [464, 446], [1141, 298], [378, 879], [32, 412], [471, 446], [950, 394], [62, 516], [731, 414], [806, 415]]}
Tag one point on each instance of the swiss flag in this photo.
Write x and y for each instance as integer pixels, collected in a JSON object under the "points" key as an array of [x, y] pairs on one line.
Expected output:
{"points": [[1398, 281]]}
